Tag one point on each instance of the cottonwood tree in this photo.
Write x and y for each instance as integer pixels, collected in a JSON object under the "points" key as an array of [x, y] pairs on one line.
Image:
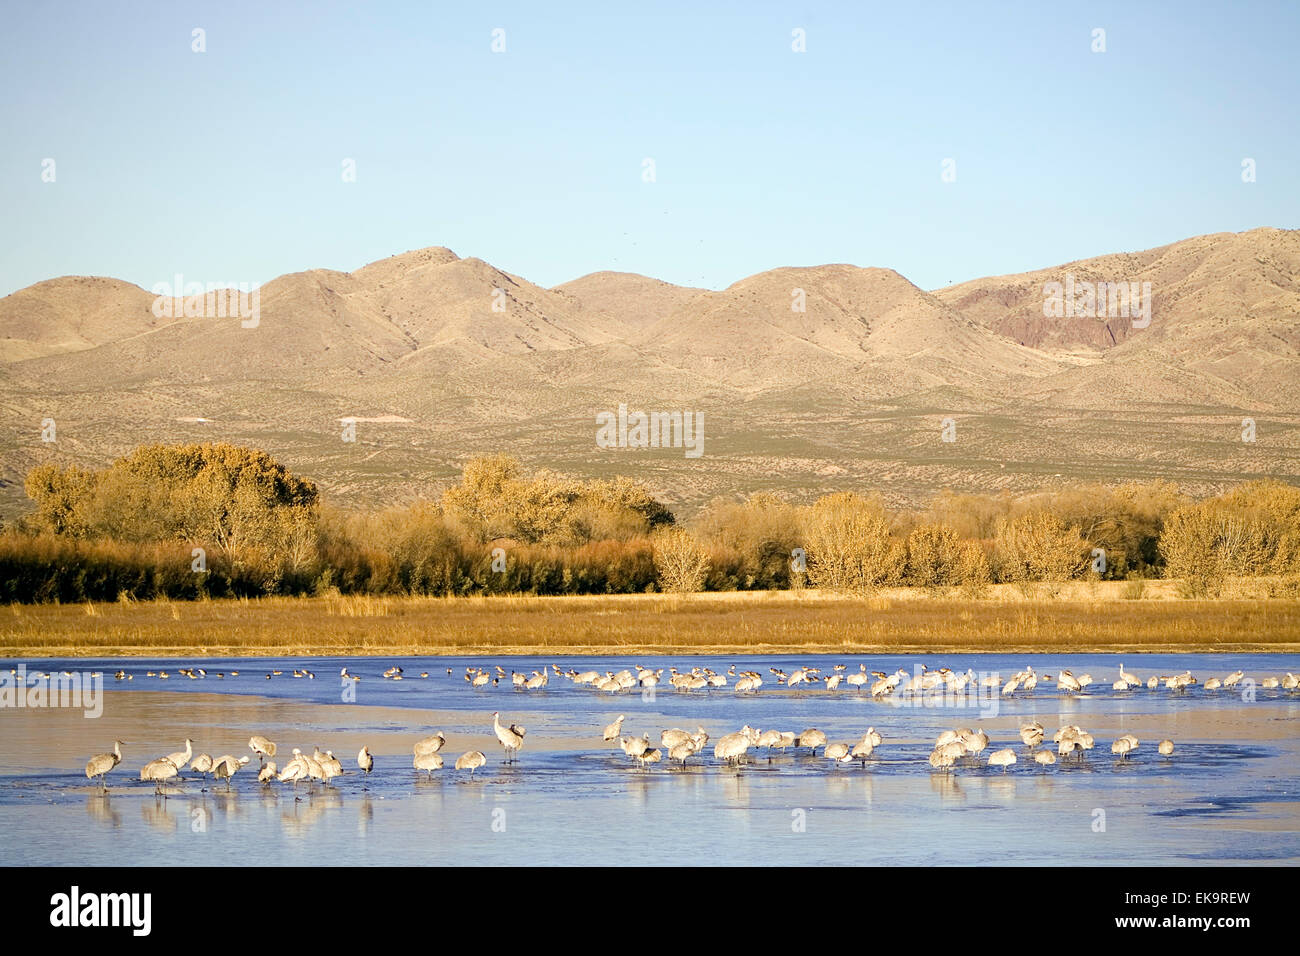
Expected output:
{"points": [[850, 546], [1038, 546], [681, 562]]}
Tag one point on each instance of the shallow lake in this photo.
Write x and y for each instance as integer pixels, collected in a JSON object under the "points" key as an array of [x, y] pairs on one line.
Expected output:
{"points": [[1229, 794]]}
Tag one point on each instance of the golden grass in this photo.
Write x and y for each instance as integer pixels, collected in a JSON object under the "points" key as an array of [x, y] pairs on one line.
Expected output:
{"points": [[1089, 618]]}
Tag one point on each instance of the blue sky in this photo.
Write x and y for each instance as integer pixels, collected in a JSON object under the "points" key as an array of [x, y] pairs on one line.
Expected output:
{"points": [[227, 165]]}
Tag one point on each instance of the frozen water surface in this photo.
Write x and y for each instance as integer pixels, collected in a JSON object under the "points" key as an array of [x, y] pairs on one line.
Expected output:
{"points": [[1229, 794]]}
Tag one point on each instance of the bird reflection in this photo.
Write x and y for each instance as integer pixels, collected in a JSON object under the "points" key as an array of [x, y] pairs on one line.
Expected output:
{"points": [[101, 810], [155, 813]]}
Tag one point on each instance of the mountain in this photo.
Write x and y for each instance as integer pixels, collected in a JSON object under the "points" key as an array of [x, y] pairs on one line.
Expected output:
{"points": [[809, 379]]}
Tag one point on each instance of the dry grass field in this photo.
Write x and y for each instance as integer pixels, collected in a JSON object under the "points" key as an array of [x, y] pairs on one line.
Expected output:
{"points": [[1081, 617]]}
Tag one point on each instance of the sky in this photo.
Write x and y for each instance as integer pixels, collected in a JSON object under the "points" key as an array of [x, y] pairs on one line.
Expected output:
{"points": [[229, 165]]}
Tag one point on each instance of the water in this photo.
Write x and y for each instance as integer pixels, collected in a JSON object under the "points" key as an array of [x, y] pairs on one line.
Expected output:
{"points": [[1228, 795]]}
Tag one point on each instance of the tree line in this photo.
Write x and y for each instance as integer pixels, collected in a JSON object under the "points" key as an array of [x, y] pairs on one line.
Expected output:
{"points": [[216, 520]]}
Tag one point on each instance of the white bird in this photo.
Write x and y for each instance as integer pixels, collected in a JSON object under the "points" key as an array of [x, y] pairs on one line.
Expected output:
{"points": [[731, 747], [181, 757], [634, 747], [837, 752], [159, 771], [226, 765], [863, 749], [1067, 682], [330, 765], [681, 751], [100, 764], [429, 745], [613, 730], [1045, 757], [812, 739], [975, 743], [201, 764], [1121, 746], [267, 773], [941, 759], [671, 738], [1032, 734], [294, 770], [429, 762], [261, 746], [365, 761], [1002, 758], [1128, 678], [470, 761], [512, 737], [1166, 748]]}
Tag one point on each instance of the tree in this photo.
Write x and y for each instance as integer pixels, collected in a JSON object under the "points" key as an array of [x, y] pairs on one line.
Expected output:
{"points": [[1037, 546], [849, 544], [681, 562]]}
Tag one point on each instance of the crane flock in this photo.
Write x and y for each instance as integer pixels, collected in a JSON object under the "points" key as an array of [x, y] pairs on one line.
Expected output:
{"points": [[952, 749]]}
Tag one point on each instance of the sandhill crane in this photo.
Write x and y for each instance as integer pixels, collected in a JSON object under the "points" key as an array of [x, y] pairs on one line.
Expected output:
{"points": [[975, 743], [1166, 748], [1032, 734], [100, 764], [1002, 758], [267, 773], [1067, 683], [159, 771], [429, 745], [1122, 746], [512, 737], [202, 764], [1269, 683], [681, 751], [874, 736], [946, 737], [1290, 681], [226, 765], [429, 762], [1213, 683], [768, 739], [1153, 682], [365, 762], [331, 767], [1233, 679], [653, 755], [837, 752], [1128, 678], [812, 739], [1045, 757], [181, 757], [731, 747], [862, 749], [941, 759], [261, 746], [470, 761], [613, 730], [671, 738], [294, 770], [634, 747]]}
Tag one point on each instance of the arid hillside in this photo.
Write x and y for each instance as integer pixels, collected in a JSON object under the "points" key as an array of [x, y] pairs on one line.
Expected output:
{"points": [[809, 379]]}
